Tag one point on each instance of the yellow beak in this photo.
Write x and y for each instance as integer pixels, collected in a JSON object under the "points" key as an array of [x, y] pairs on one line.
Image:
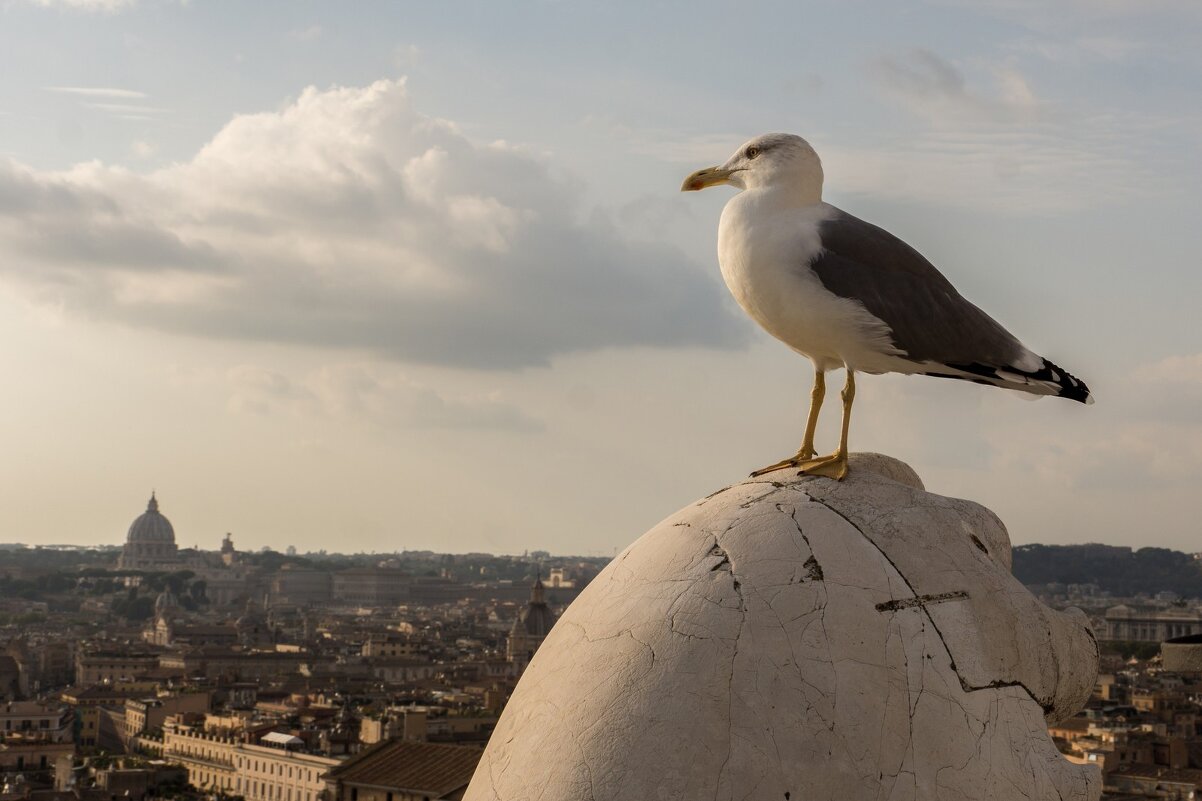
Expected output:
{"points": [[710, 176]]}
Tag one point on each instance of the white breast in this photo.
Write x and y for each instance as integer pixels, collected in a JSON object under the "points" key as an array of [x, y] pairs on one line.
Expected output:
{"points": [[765, 247]]}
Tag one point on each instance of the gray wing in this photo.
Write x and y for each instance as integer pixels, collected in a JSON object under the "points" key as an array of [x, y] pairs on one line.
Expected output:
{"points": [[928, 318]]}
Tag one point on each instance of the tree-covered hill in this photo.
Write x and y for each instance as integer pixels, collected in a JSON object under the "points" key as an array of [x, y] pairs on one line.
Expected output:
{"points": [[1119, 570]]}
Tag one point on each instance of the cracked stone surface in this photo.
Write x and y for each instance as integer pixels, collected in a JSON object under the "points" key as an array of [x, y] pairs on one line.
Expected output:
{"points": [[806, 640]]}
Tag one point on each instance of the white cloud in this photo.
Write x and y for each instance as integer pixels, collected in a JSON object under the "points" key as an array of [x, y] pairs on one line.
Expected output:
{"points": [[103, 6], [1145, 432], [1126, 456], [1073, 12], [1174, 371], [1036, 174], [405, 57], [991, 141], [98, 91], [349, 219], [308, 34], [933, 87], [372, 394], [143, 149], [1080, 49], [127, 108]]}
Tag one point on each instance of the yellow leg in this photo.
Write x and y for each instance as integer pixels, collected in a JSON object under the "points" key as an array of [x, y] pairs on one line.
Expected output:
{"points": [[835, 465], [806, 452], [817, 393]]}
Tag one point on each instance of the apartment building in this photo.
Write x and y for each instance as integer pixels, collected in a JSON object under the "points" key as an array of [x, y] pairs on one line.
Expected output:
{"points": [[273, 769], [95, 667], [147, 715]]}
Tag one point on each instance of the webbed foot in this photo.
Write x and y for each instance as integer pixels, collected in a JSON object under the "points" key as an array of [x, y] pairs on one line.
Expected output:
{"points": [[796, 460], [833, 466]]}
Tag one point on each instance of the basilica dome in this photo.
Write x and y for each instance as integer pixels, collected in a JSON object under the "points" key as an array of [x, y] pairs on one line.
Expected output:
{"points": [[150, 542], [151, 525]]}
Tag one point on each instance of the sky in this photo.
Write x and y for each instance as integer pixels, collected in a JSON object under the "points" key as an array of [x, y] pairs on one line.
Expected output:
{"points": [[378, 276]]}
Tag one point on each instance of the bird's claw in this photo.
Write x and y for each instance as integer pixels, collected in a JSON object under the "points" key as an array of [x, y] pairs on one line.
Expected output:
{"points": [[796, 460], [833, 466]]}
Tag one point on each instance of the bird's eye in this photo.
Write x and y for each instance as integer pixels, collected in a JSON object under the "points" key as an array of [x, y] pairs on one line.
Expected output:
{"points": [[752, 152]]}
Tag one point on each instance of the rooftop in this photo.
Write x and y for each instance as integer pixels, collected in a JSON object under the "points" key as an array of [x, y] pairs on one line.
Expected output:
{"points": [[431, 769]]}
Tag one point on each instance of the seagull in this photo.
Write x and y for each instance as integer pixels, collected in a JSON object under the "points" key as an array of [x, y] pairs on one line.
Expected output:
{"points": [[847, 294]]}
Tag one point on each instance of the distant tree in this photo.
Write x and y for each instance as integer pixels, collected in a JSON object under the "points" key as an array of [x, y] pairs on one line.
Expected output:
{"points": [[57, 582], [103, 586], [28, 618], [70, 604], [134, 609], [1118, 570], [18, 588], [177, 581]]}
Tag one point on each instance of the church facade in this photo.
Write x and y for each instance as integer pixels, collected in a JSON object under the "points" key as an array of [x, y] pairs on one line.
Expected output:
{"points": [[532, 626]]}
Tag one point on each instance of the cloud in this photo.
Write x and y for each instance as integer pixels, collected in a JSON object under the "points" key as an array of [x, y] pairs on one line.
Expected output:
{"points": [[1123, 457], [1144, 433], [127, 108], [989, 140], [1081, 49], [106, 6], [406, 56], [1169, 390], [309, 34], [935, 88], [996, 172], [143, 149], [1074, 11], [98, 91], [348, 219], [374, 394]]}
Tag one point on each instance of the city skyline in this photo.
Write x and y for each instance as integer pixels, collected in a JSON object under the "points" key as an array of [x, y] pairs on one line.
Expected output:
{"points": [[393, 280]]}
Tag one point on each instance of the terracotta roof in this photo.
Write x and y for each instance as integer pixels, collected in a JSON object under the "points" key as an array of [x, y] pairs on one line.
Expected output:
{"points": [[1142, 770], [98, 691], [431, 769], [1077, 723]]}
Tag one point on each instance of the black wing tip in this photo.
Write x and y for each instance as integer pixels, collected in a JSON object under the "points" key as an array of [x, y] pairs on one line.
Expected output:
{"points": [[1071, 387], [1050, 375]]}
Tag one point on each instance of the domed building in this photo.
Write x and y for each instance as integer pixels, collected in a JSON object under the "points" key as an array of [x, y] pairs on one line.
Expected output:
{"points": [[531, 627], [161, 628], [150, 543]]}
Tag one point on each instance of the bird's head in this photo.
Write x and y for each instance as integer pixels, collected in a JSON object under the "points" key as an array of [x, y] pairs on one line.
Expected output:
{"points": [[770, 160]]}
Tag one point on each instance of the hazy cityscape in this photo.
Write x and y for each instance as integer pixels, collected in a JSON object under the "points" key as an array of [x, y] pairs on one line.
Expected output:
{"points": [[143, 670]]}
